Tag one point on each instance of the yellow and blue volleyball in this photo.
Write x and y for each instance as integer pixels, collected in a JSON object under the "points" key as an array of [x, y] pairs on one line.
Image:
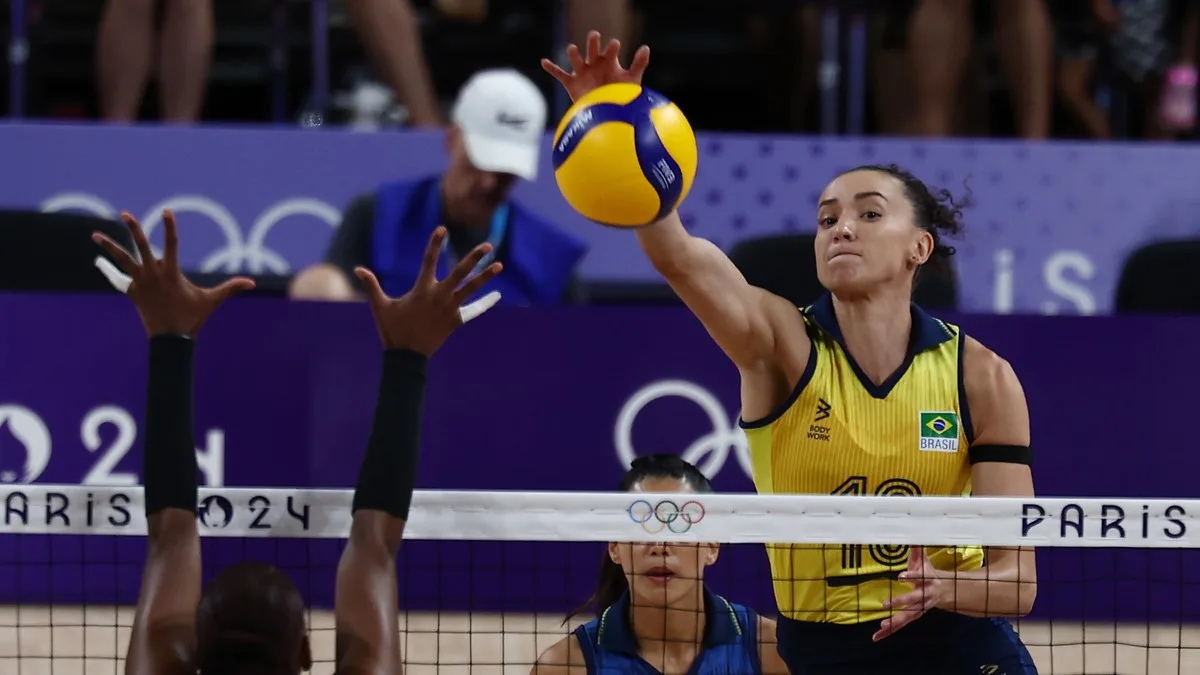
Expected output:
{"points": [[624, 156]]}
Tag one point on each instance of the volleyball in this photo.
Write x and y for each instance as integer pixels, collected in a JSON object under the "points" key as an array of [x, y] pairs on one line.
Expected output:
{"points": [[624, 156]]}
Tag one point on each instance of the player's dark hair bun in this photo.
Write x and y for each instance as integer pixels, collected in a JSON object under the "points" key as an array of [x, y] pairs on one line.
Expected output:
{"points": [[664, 465]]}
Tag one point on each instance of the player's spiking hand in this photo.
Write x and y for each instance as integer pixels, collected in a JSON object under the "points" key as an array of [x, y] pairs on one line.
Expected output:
{"points": [[166, 301], [596, 68], [424, 317]]}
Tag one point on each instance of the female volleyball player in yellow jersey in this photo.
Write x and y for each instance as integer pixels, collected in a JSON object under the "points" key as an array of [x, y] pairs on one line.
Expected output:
{"points": [[654, 612], [864, 393]]}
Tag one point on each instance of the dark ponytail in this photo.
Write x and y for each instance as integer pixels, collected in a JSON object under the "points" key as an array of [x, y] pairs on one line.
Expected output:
{"points": [[612, 583]]}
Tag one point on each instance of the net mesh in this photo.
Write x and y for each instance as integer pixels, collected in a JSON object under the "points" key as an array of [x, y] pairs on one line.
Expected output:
{"points": [[487, 578]]}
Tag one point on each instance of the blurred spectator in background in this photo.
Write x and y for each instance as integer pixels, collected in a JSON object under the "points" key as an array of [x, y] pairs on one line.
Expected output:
{"points": [[129, 48], [1150, 47], [1081, 26], [393, 39], [496, 138], [939, 46], [614, 18]]}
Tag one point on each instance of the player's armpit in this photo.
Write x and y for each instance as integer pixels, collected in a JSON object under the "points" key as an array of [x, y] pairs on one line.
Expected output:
{"points": [[366, 608], [562, 658], [738, 316], [164, 627]]}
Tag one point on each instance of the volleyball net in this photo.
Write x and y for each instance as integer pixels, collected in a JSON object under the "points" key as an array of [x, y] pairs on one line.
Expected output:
{"points": [[487, 578]]}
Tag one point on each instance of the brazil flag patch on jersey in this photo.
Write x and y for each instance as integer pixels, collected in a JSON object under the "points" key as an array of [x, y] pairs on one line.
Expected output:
{"points": [[939, 431]]}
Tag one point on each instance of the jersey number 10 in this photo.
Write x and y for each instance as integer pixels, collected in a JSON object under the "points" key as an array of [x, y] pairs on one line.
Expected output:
{"points": [[887, 556]]}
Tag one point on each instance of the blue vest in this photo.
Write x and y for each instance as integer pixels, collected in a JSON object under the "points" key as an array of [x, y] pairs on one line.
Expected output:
{"points": [[730, 641], [538, 259]]}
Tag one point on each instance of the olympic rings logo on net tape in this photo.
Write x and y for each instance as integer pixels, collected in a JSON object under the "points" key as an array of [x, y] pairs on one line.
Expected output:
{"points": [[243, 252], [666, 515]]}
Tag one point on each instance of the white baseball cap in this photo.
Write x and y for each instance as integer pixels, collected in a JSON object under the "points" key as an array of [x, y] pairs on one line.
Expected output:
{"points": [[502, 116]]}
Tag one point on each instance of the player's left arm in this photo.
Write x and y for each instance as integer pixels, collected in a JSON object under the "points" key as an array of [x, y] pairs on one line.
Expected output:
{"points": [[172, 310], [164, 633], [768, 648], [1000, 467]]}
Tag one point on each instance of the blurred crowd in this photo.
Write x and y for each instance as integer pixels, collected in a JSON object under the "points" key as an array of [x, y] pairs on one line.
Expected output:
{"points": [[1027, 68]]}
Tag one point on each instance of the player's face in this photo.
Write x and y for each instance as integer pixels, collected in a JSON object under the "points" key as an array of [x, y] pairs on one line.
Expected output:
{"points": [[866, 235], [475, 194], [664, 574]]}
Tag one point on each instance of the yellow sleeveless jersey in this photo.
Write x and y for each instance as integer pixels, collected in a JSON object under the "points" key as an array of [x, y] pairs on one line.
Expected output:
{"points": [[839, 433]]}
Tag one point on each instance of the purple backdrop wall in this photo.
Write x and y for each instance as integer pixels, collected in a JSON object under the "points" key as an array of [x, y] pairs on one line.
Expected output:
{"points": [[530, 400], [1051, 226]]}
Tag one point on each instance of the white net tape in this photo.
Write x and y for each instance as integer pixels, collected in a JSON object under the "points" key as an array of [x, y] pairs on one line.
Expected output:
{"points": [[59, 638]]}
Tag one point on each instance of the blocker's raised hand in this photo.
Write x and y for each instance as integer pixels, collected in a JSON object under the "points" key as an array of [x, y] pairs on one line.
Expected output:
{"points": [[168, 303], [597, 68], [428, 313]]}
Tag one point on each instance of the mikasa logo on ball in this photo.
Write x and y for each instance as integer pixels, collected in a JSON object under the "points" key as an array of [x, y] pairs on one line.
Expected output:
{"points": [[582, 120]]}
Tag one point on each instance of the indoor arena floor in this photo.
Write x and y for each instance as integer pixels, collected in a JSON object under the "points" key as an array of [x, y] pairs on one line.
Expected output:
{"points": [[77, 641]]}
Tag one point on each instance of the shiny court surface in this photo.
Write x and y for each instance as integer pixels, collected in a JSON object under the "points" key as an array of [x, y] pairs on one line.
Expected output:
{"points": [[90, 641]]}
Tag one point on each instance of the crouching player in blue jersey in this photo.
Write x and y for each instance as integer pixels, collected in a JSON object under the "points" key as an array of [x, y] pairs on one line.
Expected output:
{"points": [[655, 615]]}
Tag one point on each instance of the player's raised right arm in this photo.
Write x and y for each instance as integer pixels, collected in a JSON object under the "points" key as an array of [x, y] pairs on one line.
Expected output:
{"points": [[738, 316], [411, 327]]}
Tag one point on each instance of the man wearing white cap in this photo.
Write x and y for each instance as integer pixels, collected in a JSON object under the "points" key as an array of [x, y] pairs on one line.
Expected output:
{"points": [[496, 138]]}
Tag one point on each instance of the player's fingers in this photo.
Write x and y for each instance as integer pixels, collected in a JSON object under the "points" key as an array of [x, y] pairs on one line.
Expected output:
{"points": [[641, 59], [593, 47], [118, 253], [231, 287], [139, 238], [575, 58], [612, 50], [894, 623], [477, 282], [555, 71], [371, 287], [903, 600], [433, 251], [119, 280], [171, 251], [465, 266], [474, 309]]}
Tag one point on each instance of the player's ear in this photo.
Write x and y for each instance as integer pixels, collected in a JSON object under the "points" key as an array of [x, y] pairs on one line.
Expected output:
{"points": [[711, 553], [922, 247], [614, 553]]}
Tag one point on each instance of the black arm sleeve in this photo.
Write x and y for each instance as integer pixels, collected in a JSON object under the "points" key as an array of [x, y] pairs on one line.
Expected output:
{"points": [[168, 457], [1005, 454], [351, 243], [389, 468]]}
